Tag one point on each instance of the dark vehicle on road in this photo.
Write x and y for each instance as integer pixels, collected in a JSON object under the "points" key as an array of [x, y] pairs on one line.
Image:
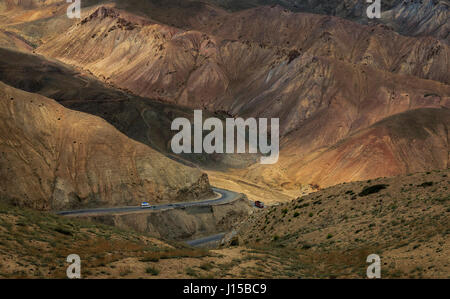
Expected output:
{"points": [[259, 204]]}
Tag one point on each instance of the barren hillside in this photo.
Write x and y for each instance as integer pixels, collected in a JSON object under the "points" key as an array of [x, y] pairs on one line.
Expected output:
{"points": [[324, 77], [413, 141], [404, 219], [53, 158]]}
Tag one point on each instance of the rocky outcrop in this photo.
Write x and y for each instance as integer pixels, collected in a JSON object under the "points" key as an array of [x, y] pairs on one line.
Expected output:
{"points": [[53, 158]]}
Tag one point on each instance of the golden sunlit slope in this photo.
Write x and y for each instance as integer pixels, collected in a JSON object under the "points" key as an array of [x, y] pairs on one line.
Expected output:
{"points": [[53, 158], [36, 21]]}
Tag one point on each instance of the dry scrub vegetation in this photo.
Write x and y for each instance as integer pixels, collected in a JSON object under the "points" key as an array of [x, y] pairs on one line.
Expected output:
{"points": [[326, 234], [330, 233], [36, 244]]}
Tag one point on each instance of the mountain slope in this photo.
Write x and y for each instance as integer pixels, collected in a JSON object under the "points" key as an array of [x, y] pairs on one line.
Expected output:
{"points": [[243, 77], [414, 18], [326, 78], [142, 119], [53, 158], [403, 219], [420, 18], [334, 79], [409, 142], [316, 35]]}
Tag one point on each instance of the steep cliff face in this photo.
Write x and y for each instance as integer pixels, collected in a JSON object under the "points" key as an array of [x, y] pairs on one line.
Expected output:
{"points": [[53, 158]]}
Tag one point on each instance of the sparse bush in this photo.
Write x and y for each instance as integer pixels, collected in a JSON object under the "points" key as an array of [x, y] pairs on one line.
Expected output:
{"points": [[234, 241], [426, 184], [63, 231], [125, 270], [206, 266], [372, 189], [152, 271], [191, 272], [150, 258]]}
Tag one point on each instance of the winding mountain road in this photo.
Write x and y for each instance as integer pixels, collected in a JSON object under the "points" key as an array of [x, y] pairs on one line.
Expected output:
{"points": [[205, 240], [226, 196]]}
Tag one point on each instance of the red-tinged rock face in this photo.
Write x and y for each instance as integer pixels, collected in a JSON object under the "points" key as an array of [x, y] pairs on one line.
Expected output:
{"points": [[414, 141]]}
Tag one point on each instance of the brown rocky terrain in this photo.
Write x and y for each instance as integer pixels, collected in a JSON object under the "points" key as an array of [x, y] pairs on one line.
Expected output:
{"points": [[358, 101], [327, 234], [53, 158], [404, 219], [13, 41], [182, 58], [415, 18], [413, 141], [330, 79], [315, 35], [420, 18], [36, 244], [321, 75], [145, 120], [409, 142], [36, 21]]}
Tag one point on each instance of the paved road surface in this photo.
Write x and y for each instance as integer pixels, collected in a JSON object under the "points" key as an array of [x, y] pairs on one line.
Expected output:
{"points": [[205, 240], [225, 197]]}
